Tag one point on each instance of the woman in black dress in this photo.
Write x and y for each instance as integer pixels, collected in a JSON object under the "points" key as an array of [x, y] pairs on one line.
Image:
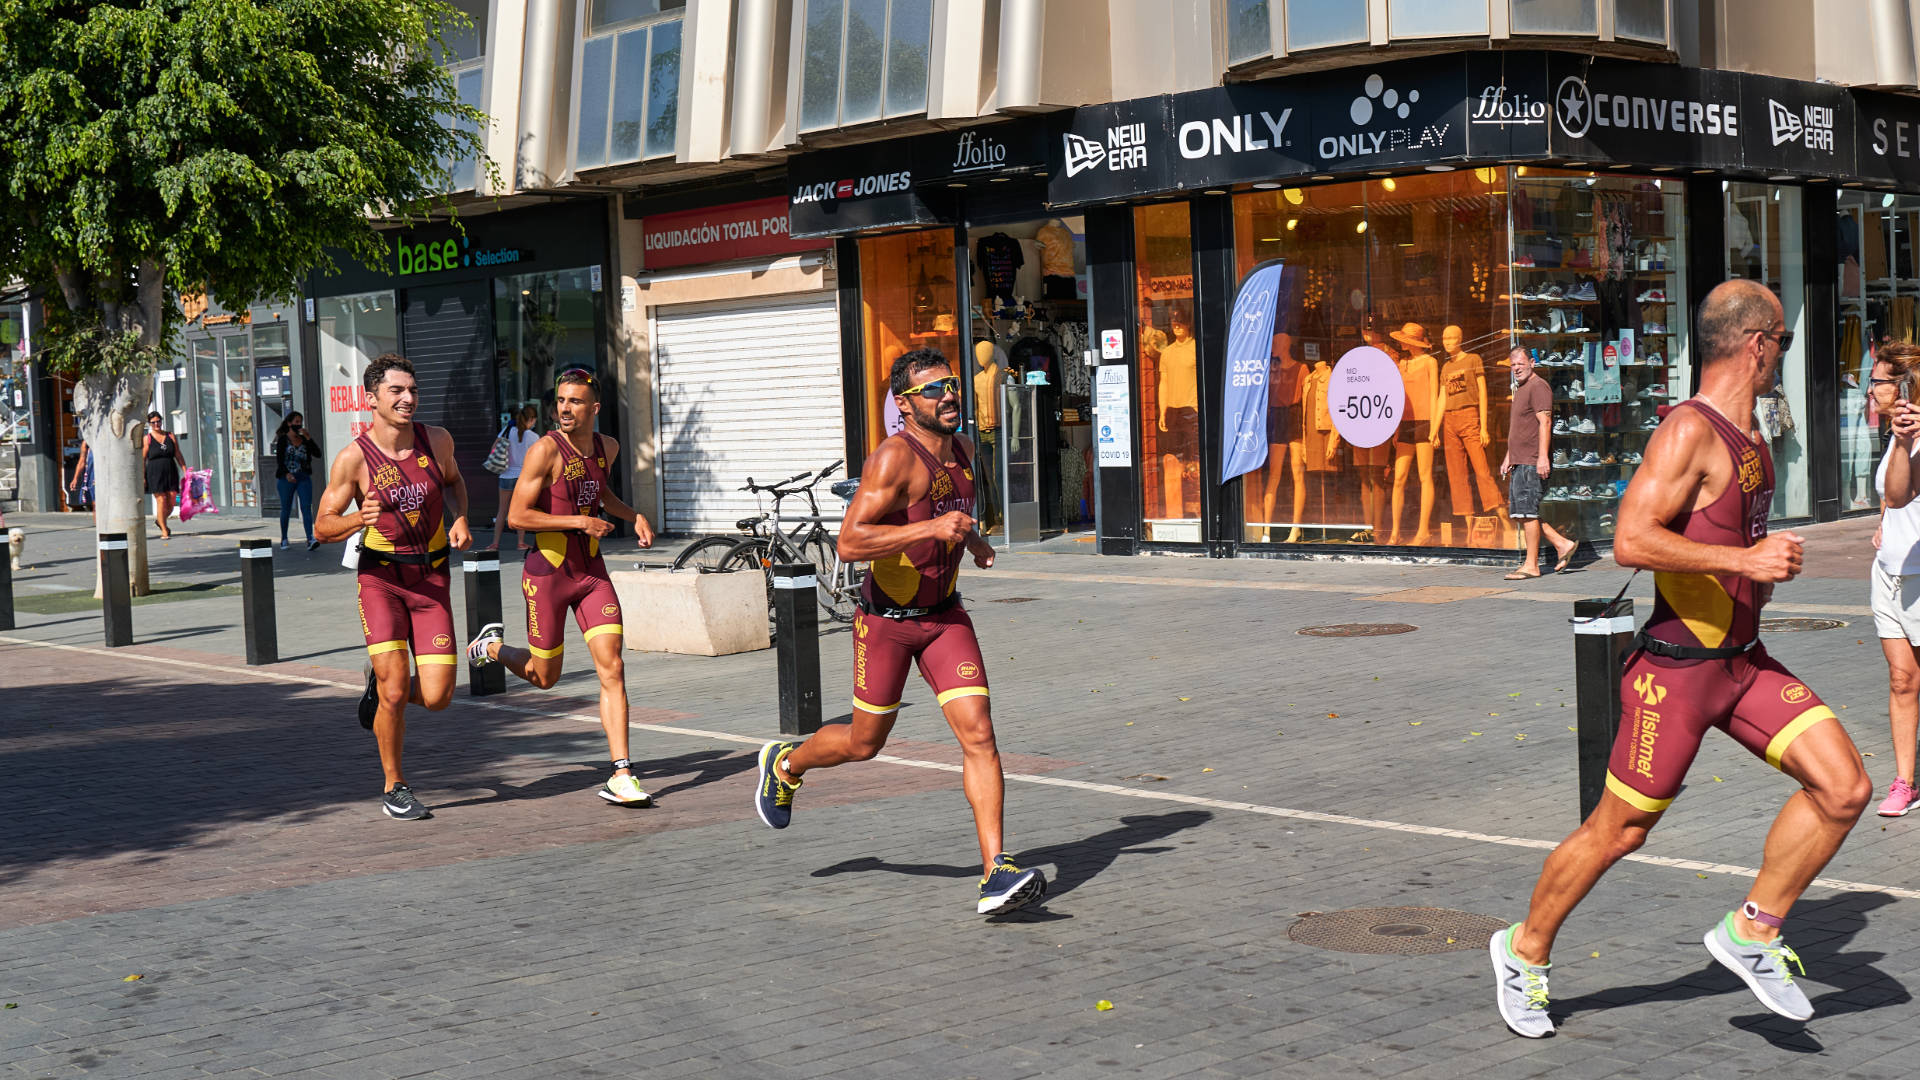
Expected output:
{"points": [[161, 449]]}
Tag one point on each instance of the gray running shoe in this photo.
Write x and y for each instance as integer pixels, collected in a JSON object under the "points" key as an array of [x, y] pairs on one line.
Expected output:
{"points": [[1763, 967], [1520, 988]]}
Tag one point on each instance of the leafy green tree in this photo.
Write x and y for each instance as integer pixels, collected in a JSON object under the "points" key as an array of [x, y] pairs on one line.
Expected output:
{"points": [[160, 147]]}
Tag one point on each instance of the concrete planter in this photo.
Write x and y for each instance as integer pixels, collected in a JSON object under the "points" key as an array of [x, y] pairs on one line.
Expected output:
{"points": [[685, 611]]}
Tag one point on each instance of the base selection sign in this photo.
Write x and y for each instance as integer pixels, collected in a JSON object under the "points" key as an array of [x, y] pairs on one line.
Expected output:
{"points": [[1366, 396]]}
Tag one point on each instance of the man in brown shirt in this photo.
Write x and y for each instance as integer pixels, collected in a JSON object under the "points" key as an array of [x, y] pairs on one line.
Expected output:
{"points": [[1526, 466]]}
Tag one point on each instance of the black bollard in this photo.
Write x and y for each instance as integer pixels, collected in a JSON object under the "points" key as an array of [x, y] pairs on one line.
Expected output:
{"points": [[6, 580], [256, 600], [1602, 632], [116, 595], [481, 569], [796, 629]]}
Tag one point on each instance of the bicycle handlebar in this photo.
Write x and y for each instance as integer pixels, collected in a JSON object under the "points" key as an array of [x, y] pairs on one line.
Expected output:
{"points": [[781, 488]]}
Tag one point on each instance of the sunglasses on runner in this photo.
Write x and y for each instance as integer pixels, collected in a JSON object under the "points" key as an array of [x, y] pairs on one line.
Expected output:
{"points": [[577, 374], [936, 389]]}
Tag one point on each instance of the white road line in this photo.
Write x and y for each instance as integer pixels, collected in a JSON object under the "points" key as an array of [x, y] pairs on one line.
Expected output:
{"points": [[1696, 865]]}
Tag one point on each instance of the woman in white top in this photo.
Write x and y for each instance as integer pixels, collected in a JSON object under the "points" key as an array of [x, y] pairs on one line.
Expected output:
{"points": [[1896, 567], [520, 436]]}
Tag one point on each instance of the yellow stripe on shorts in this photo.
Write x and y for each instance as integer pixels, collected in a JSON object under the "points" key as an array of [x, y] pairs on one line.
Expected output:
{"points": [[1777, 746], [1635, 799]]}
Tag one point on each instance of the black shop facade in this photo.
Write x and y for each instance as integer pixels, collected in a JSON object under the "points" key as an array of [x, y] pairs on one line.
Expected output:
{"points": [[1422, 216], [488, 312]]}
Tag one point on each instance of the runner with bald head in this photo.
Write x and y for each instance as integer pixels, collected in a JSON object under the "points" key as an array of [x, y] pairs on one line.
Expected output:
{"points": [[1696, 515]]}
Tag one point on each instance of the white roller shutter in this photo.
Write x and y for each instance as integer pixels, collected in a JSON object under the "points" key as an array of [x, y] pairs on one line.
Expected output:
{"points": [[745, 391]]}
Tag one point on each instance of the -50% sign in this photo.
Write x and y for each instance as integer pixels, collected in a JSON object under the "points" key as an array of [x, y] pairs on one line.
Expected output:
{"points": [[1366, 396]]}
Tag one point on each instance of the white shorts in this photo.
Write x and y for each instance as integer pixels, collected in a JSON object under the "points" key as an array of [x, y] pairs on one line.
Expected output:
{"points": [[1896, 605]]}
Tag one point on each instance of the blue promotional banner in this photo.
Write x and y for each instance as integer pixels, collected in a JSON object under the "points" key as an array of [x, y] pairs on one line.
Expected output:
{"points": [[1249, 353]]}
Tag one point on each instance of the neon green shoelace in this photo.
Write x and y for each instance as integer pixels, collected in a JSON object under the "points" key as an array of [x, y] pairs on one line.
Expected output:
{"points": [[1536, 990], [1779, 954]]}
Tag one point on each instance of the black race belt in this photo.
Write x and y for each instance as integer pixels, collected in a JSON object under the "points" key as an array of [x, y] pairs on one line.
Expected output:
{"points": [[1668, 649], [890, 612], [409, 558]]}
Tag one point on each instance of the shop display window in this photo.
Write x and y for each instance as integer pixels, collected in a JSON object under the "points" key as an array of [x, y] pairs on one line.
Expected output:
{"points": [[353, 330], [1170, 475], [1599, 293], [908, 301], [543, 324], [1879, 286], [1445, 273], [1763, 234]]}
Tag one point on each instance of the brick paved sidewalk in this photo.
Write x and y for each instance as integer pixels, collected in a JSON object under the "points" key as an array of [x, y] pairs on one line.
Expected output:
{"points": [[212, 829]]}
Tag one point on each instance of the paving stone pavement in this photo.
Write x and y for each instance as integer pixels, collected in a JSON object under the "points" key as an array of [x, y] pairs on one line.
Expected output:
{"points": [[213, 828]]}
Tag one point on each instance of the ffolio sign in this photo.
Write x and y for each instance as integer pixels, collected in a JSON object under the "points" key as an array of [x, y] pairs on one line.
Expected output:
{"points": [[745, 230]]}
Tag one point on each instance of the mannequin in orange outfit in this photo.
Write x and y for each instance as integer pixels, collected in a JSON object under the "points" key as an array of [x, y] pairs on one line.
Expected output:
{"points": [[1413, 444], [1461, 403]]}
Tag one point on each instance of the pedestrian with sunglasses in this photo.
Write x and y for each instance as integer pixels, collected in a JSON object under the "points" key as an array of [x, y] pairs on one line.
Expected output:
{"points": [[559, 497], [912, 520], [1896, 565], [294, 454]]}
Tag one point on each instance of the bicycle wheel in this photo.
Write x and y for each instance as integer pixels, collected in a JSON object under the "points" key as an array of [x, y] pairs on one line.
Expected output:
{"points": [[753, 553], [705, 554], [836, 598]]}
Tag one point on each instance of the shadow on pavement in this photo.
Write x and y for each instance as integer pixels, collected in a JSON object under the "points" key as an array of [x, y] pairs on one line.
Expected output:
{"points": [[198, 747], [1827, 927], [1075, 862]]}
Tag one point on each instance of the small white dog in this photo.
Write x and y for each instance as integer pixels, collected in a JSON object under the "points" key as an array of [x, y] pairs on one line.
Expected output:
{"points": [[16, 543]]}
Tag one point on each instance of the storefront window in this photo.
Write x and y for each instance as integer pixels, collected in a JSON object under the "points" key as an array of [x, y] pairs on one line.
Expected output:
{"points": [[1763, 244], [1444, 273], [1878, 290], [543, 325], [907, 301], [1170, 475], [353, 330], [1316, 23], [1436, 18], [1555, 17], [1248, 30]]}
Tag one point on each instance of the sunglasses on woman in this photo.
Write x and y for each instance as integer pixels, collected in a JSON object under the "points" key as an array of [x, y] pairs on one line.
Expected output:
{"points": [[936, 389]]}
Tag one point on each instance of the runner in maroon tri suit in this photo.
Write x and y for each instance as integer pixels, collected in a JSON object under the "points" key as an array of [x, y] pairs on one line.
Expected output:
{"points": [[401, 475], [1696, 514], [913, 520], [562, 488]]}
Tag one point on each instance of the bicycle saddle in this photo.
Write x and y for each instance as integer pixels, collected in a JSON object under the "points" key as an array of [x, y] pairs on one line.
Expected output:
{"points": [[845, 488], [747, 524]]}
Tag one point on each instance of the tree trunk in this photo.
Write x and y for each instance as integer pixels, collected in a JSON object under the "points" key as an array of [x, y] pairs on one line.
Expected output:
{"points": [[107, 406]]}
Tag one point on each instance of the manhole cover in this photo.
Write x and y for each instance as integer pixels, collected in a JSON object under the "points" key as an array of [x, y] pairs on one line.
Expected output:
{"points": [[1358, 629], [1788, 626], [1405, 931], [1014, 600]]}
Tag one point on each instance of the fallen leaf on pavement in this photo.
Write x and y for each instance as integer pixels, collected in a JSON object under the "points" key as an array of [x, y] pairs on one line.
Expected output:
{"points": [[1415, 723], [1596, 956], [133, 978], [1145, 778], [1333, 716], [1206, 770], [1186, 699], [1103, 1005]]}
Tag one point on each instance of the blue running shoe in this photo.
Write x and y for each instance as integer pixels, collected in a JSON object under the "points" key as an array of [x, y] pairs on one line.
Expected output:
{"points": [[1010, 888], [773, 799]]}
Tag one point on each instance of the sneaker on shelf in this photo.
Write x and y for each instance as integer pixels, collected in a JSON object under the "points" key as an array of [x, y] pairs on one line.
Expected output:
{"points": [[1529, 291], [626, 791], [1555, 291], [489, 634], [1524, 262], [1763, 967], [1560, 428], [1651, 296], [1609, 459], [773, 798], [1008, 888], [1576, 389], [1584, 426], [1900, 798], [400, 803], [1520, 988], [1556, 322], [1576, 324], [1561, 459], [1583, 291], [1590, 460], [1582, 493], [1659, 390], [1654, 328], [1650, 423], [1654, 359], [1619, 488], [1630, 458]]}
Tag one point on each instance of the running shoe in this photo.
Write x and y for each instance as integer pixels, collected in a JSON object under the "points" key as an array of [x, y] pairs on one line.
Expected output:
{"points": [[1583, 291], [1900, 799], [624, 791], [283, 545], [489, 634], [1561, 459], [369, 700], [1520, 988], [773, 799], [1560, 426], [400, 803], [1763, 967], [313, 544], [1590, 460], [1584, 426], [1576, 390], [1009, 887]]}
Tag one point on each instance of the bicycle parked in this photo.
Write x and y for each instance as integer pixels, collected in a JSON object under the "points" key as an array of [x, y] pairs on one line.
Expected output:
{"points": [[770, 541]]}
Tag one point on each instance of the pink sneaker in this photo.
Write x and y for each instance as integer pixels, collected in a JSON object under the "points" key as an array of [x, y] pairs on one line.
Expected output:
{"points": [[1900, 799]]}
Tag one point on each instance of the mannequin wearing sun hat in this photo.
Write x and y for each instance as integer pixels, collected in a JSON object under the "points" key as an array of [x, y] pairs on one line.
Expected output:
{"points": [[1412, 444]]}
